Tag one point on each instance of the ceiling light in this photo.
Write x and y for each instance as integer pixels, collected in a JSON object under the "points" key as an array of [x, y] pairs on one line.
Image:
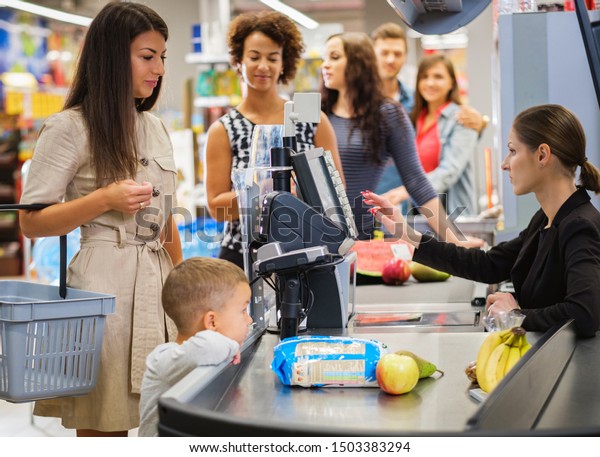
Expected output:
{"points": [[290, 12], [47, 12], [456, 40]]}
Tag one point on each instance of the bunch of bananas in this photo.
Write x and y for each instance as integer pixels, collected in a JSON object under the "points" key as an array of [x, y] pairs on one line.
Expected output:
{"points": [[499, 352]]}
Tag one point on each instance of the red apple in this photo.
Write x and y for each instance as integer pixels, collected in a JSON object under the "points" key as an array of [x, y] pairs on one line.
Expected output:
{"points": [[397, 374], [395, 271]]}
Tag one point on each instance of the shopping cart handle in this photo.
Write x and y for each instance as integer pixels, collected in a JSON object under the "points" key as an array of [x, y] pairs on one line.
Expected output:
{"points": [[62, 285]]}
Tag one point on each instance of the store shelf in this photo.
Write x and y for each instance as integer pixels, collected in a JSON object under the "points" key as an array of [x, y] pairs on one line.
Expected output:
{"points": [[10, 259], [7, 193], [10, 242], [201, 58], [211, 101]]}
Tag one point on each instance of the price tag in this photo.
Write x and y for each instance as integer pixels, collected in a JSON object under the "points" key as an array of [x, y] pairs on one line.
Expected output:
{"points": [[478, 394], [401, 251]]}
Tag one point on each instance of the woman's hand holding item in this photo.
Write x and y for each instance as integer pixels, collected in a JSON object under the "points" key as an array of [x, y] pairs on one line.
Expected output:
{"points": [[500, 302], [127, 196], [502, 312]]}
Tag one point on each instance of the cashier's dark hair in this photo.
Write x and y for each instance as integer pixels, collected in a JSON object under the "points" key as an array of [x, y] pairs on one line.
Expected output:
{"points": [[198, 285], [103, 89], [364, 88], [560, 129], [278, 28]]}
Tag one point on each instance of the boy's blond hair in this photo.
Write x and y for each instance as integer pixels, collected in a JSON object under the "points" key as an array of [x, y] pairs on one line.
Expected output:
{"points": [[198, 285]]}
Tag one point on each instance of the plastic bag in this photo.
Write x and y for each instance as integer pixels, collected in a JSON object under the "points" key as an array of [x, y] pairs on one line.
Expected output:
{"points": [[503, 320], [325, 361]]}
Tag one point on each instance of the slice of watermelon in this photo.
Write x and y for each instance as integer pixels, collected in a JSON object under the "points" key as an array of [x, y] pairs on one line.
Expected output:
{"points": [[372, 254]]}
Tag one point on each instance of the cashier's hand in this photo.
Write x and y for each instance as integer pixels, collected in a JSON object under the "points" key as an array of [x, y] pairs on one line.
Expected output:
{"points": [[500, 302], [236, 358], [386, 212]]}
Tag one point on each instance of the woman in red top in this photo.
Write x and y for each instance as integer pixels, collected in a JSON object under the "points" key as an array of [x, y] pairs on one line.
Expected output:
{"points": [[445, 147]]}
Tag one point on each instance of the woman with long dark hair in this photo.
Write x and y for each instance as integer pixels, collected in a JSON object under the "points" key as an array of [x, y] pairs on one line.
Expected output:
{"points": [[107, 166], [370, 129]]}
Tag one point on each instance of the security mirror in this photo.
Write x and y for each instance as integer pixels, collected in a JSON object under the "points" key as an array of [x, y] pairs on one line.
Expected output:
{"points": [[438, 17]]}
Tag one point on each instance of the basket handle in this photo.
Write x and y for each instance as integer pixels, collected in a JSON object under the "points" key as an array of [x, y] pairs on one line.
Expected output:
{"points": [[62, 284]]}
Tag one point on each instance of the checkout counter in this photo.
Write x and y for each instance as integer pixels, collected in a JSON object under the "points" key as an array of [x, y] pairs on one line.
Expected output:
{"points": [[552, 392]]}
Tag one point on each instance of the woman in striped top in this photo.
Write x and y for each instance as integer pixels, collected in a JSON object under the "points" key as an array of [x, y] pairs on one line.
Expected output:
{"points": [[370, 129]]}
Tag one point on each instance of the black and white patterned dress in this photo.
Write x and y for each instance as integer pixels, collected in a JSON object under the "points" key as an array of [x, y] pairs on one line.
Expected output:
{"points": [[239, 130]]}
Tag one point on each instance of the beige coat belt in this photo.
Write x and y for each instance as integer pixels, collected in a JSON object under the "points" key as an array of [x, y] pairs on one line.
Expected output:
{"points": [[149, 327]]}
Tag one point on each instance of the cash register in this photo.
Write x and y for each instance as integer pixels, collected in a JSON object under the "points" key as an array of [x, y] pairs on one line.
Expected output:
{"points": [[299, 243]]}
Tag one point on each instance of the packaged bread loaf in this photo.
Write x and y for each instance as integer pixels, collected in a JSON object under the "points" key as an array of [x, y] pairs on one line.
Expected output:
{"points": [[326, 361]]}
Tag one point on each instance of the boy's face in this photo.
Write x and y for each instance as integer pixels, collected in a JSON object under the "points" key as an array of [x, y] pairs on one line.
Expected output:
{"points": [[233, 319]]}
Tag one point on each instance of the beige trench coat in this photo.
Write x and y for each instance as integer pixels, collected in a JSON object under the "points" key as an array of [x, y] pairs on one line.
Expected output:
{"points": [[120, 255]]}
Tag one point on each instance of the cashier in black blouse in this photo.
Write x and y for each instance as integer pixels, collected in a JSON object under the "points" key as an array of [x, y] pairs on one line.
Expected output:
{"points": [[554, 264]]}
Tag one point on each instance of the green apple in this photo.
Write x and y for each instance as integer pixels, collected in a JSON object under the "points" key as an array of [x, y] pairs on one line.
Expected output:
{"points": [[397, 374]]}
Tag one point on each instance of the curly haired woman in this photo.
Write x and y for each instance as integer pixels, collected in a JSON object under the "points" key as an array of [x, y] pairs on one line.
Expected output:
{"points": [[264, 48]]}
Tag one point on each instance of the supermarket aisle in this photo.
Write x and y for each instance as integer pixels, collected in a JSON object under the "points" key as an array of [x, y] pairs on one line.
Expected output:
{"points": [[16, 421]]}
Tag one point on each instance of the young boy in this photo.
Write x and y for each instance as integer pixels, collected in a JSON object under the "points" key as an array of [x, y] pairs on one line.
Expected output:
{"points": [[207, 299]]}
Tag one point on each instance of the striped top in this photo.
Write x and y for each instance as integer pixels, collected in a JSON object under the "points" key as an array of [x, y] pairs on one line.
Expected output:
{"points": [[362, 173]]}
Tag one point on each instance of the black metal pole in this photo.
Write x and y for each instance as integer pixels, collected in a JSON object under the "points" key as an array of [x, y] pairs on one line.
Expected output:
{"points": [[291, 305], [280, 157], [290, 142]]}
